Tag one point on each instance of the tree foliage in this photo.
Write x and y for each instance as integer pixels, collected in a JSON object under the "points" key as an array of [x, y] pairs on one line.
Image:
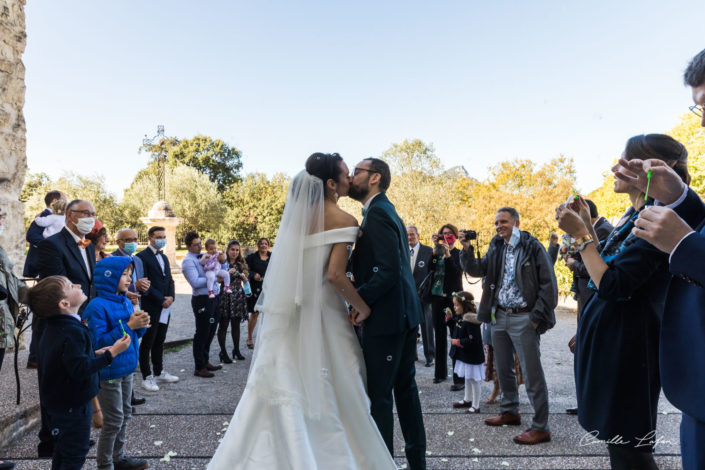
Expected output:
{"points": [[212, 157], [689, 132]]}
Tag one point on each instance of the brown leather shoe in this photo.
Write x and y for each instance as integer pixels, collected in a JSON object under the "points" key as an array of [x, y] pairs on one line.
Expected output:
{"points": [[210, 366], [504, 418], [532, 436], [204, 373]]}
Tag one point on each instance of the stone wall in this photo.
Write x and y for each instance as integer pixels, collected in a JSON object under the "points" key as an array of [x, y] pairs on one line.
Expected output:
{"points": [[13, 144]]}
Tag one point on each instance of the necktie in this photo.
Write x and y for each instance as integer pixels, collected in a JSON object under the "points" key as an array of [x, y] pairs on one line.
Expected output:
{"points": [[411, 252], [83, 243]]}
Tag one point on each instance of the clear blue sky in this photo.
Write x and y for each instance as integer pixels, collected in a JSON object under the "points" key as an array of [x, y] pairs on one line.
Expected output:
{"points": [[483, 81]]}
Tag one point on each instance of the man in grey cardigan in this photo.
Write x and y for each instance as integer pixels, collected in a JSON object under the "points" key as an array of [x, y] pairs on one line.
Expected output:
{"points": [[518, 297]]}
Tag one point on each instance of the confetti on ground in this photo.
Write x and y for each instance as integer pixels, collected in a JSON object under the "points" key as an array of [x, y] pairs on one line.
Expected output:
{"points": [[450, 433], [475, 450], [158, 443], [166, 458], [505, 464], [182, 370], [428, 452], [152, 426], [225, 423], [472, 439], [444, 460], [171, 453], [403, 466], [220, 440], [475, 459]]}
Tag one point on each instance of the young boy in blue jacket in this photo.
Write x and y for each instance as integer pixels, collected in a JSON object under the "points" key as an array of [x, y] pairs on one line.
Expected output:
{"points": [[111, 316], [68, 378]]}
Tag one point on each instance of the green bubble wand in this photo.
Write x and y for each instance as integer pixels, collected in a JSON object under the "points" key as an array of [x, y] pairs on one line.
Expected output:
{"points": [[648, 184], [124, 333]]}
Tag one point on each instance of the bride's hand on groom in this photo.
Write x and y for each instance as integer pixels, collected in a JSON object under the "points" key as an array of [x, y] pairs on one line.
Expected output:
{"points": [[356, 317]]}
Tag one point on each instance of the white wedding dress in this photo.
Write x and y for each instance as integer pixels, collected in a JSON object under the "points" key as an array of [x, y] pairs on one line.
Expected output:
{"points": [[304, 406]]}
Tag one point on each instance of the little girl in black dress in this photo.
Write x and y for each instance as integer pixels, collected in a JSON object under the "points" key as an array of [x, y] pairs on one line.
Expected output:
{"points": [[466, 348]]}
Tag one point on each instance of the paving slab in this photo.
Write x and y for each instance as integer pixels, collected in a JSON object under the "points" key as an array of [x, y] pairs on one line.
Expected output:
{"points": [[186, 417]]}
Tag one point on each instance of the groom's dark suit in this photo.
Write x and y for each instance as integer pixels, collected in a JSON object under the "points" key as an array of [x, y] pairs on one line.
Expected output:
{"points": [[383, 278]]}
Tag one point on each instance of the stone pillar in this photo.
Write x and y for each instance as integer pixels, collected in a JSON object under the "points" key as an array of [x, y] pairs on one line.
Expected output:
{"points": [[161, 215], [13, 144]]}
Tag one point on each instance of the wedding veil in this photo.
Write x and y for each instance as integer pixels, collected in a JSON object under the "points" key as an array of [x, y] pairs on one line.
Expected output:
{"points": [[290, 304]]}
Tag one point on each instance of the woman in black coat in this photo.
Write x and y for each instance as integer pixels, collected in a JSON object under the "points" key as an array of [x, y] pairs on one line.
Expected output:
{"points": [[257, 263], [617, 344], [447, 278]]}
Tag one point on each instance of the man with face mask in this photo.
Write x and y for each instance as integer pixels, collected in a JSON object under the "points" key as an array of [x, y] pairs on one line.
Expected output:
{"points": [[67, 253], [126, 240], [518, 298]]}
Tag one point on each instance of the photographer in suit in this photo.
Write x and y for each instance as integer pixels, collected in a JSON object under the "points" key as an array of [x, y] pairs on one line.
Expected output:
{"points": [[421, 257], [159, 296]]}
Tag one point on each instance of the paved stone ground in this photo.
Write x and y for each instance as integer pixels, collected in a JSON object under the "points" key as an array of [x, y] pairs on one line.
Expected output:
{"points": [[188, 418]]}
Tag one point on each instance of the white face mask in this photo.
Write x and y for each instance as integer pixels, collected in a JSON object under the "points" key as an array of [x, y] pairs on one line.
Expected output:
{"points": [[85, 225], [2, 227], [516, 234]]}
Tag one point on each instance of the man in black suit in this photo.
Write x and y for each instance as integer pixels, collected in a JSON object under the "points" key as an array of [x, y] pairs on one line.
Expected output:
{"points": [[421, 256], [156, 301], [69, 254], [34, 237], [382, 271]]}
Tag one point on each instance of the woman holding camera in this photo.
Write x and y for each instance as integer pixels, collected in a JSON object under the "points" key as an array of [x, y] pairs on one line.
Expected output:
{"points": [[617, 344], [447, 278]]}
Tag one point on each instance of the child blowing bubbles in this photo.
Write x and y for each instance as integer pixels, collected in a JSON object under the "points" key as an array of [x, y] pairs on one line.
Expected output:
{"points": [[111, 316], [68, 378], [466, 349], [212, 262]]}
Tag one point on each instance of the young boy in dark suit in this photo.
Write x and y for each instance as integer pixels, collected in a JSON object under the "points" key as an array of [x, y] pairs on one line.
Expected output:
{"points": [[68, 367]]}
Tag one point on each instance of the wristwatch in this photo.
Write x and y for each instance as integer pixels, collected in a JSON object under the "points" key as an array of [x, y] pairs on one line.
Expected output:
{"points": [[582, 242]]}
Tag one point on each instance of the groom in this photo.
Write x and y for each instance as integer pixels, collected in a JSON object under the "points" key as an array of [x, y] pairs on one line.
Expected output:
{"points": [[383, 278]]}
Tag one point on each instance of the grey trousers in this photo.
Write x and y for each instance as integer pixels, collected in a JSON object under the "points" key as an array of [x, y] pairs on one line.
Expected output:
{"points": [[429, 345], [514, 332], [114, 398]]}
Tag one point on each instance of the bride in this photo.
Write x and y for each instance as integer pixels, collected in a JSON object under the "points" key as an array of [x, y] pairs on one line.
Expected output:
{"points": [[304, 405]]}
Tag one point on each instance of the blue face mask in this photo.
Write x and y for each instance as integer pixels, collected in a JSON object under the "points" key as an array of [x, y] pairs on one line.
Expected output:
{"points": [[130, 247], [516, 235], [160, 243]]}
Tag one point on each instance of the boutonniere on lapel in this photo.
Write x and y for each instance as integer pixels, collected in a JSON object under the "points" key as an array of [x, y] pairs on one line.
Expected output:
{"points": [[359, 233], [84, 322]]}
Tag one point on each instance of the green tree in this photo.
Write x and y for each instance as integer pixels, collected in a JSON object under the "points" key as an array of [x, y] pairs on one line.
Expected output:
{"points": [[90, 188], [191, 194], [33, 183], [212, 157], [256, 206]]}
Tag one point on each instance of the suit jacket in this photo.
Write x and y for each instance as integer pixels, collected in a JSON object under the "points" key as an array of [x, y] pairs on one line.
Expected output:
{"points": [[382, 271], [423, 263], [59, 255], [34, 238], [682, 350], [161, 284]]}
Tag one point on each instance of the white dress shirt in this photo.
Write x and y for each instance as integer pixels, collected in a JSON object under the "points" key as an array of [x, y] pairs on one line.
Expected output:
{"points": [[83, 252], [159, 258], [415, 255]]}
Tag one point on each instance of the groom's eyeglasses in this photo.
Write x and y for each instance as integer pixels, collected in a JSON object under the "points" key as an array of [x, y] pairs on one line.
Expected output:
{"points": [[357, 171]]}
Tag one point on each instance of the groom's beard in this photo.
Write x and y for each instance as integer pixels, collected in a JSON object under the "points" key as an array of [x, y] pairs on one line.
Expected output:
{"points": [[359, 194]]}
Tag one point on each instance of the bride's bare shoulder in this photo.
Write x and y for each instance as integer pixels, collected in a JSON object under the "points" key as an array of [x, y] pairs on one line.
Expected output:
{"points": [[338, 218]]}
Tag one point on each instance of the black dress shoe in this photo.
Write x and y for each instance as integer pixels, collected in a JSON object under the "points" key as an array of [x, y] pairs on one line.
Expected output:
{"points": [[7, 465], [130, 463], [457, 387], [134, 401], [572, 411], [437, 381], [91, 442], [224, 358], [428, 364], [238, 356], [45, 450]]}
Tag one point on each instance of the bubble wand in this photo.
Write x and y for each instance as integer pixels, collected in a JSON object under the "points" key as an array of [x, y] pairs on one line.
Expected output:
{"points": [[124, 333], [648, 184]]}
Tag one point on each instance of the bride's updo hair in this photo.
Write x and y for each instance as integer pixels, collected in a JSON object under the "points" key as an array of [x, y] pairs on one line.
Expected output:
{"points": [[325, 166]]}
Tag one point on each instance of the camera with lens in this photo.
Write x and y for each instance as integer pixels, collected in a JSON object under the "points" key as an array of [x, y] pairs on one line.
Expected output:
{"points": [[469, 235]]}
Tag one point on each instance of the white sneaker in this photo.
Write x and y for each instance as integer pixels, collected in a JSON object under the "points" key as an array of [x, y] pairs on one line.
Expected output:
{"points": [[167, 377], [150, 384]]}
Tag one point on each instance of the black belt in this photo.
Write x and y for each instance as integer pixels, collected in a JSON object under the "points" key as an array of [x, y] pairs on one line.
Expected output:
{"points": [[514, 310]]}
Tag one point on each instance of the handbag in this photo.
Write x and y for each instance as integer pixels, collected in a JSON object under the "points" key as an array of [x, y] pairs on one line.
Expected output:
{"points": [[424, 289]]}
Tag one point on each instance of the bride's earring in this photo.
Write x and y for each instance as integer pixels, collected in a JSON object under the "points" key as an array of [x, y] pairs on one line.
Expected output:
{"points": [[335, 195]]}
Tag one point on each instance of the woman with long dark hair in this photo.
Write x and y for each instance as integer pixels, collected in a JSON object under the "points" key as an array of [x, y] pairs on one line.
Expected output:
{"points": [[233, 305], [617, 344], [257, 263]]}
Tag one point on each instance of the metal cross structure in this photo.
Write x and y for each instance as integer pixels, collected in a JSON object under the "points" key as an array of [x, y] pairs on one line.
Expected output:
{"points": [[160, 156]]}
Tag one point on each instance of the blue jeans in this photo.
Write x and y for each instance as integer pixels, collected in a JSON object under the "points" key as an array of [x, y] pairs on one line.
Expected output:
{"points": [[71, 430]]}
